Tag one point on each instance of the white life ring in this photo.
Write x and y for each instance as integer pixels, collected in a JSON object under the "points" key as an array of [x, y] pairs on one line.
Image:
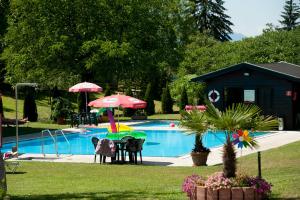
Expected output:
{"points": [[214, 96]]}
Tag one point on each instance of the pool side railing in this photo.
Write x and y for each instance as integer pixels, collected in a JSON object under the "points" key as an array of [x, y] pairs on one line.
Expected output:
{"points": [[54, 138]]}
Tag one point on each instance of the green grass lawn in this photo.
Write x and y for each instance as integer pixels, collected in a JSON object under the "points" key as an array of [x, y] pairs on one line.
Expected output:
{"points": [[40, 180]]}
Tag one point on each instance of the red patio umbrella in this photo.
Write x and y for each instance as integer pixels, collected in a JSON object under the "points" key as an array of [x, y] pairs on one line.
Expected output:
{"points": [[85, 87], [118, 100]]}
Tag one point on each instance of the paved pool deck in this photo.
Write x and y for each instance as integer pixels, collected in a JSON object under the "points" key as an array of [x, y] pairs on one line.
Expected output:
{"points": [[270, 141]]}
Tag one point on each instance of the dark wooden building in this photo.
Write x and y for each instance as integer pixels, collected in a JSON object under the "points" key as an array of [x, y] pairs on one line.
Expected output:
{"points": [[275, 88]]}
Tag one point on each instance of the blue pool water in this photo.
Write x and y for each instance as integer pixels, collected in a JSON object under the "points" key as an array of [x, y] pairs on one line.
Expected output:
{"points": [[163, 143]]}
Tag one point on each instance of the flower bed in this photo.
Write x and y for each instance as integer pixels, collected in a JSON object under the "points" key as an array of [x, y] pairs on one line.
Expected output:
{"points": [[218, 187]]}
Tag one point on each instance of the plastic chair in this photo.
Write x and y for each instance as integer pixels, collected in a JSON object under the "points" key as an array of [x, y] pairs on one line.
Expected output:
{"points": [[106, 148], [134, 146], [95, 142]]}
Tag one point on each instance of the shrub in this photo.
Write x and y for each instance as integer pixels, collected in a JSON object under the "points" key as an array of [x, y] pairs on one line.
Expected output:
{"points": [[183, 99], [166, 101], [61, 108], [29, 106], [150, 109]]}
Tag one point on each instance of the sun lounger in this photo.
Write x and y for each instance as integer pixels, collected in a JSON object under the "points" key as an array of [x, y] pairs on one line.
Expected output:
{"points": [[11, 166], [13, 121]]}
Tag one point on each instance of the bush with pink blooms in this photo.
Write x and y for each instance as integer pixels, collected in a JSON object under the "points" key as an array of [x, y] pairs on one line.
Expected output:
{"points": [[190, 183], [218, 181]]}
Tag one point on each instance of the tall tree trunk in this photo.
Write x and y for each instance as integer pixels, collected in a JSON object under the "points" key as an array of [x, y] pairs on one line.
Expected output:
{"points": [[229, 158], [3, 185]]}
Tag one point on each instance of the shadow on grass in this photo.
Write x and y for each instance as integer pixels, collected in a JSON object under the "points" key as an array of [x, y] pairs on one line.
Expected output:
{"points": [[104, 195], [15, 173], [11, 130]]}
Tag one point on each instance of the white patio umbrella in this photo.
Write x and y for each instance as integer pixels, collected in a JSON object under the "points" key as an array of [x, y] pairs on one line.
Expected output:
{"points": [[85, 87]]}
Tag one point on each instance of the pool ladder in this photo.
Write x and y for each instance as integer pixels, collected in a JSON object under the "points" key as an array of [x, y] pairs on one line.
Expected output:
{"points": [[54, 138]]}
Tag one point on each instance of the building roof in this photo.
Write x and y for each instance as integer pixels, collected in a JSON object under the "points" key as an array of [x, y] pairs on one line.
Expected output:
{"points": [[283, 69]]}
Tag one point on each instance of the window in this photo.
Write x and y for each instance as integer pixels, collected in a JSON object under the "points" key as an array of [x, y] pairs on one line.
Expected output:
{"points": [[249, 96]]}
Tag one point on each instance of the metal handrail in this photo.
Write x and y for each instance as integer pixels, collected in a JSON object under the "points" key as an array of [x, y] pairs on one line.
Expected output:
{"points": [[54, 140], [61, 131]]}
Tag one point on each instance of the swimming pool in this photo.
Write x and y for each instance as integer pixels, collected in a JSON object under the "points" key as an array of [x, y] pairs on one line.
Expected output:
{"points": [[162, 143]]}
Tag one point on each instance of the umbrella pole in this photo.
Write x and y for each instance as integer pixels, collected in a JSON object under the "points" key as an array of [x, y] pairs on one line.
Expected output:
{"points": [[118, 119], [86, 102]]}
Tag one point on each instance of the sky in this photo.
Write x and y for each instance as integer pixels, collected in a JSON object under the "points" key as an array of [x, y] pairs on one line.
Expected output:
{"points": [[251, 16]]}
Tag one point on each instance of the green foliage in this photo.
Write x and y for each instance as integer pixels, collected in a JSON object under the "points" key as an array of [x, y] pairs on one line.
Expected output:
{"points": [[166, 101], [238, 116], [81, 102], [128, 112], [204, 55], [108, 91], [290, 15], [58, 43], [30, 108], [150, 109], [194, 90], [211, 19], [61, 108], [183, 99], [196, 122]]}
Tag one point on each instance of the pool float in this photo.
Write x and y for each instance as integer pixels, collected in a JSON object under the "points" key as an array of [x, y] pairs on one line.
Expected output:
{"points": [[120, 135], [121, 128], [172, 124]]}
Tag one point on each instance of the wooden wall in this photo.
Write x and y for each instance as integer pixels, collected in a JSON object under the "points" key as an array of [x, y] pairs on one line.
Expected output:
{"points": [[281, 105]]}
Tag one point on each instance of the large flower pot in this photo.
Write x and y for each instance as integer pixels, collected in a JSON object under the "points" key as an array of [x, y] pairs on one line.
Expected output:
{"points": [[249, 193], [225, 194], [212, 194], [237, 193], [199, 158], [201, 192]]}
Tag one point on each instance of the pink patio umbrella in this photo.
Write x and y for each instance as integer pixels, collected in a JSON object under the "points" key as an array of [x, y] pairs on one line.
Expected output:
{"points": [[118, 100], [85, 87]]}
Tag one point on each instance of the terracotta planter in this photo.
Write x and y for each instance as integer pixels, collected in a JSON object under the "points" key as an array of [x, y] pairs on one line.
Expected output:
{"points": [[212, 194], [258, 196], [224, 194], [237, 193], [199, 158], [201, 192], [249, 193], [61, 120]]}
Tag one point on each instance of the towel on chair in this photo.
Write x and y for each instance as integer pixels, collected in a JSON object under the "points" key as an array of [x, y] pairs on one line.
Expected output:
{"points": [[106, 147]]}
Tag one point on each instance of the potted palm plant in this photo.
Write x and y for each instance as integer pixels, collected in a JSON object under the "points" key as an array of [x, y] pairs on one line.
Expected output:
{"points": [[196, 122]]}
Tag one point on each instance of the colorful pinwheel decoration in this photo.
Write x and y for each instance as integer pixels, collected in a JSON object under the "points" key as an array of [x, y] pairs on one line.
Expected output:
{"points": [[243, 139]]}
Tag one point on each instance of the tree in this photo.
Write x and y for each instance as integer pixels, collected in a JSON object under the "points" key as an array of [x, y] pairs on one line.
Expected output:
{"points": [[237, 117], [183, 99], [166, 101], [210, 18], [57, 43], [204, 54], [29, 108], [107, 90], [290, 15], [150, 109], [128, 112]]}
